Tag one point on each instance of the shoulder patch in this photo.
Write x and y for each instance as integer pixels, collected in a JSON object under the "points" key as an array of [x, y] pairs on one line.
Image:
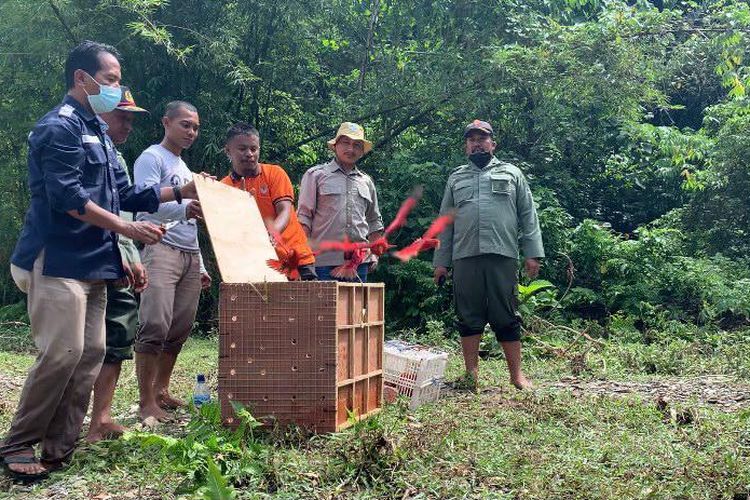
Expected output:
{"points": [[366, 176], [504, 166], [458, 169], [66, 110], [316, 168]]}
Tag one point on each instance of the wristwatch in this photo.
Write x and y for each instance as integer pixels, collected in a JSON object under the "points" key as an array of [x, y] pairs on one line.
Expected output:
{"points": [[177, 194]]}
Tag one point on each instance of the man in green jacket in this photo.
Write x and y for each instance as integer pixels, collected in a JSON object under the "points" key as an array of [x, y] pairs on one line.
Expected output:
{"points": [[121, 316], [493, 210]]}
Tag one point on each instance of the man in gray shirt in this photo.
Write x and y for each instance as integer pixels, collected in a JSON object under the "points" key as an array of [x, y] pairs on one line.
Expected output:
{"points": [[175, 267], [338, 201], [493, 209]]}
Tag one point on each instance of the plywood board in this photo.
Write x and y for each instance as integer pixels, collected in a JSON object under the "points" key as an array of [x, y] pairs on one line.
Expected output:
{"points": [[238, 235]]}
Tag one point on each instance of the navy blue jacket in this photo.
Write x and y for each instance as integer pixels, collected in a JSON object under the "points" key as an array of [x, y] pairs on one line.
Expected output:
{"points": [[72, 161]]}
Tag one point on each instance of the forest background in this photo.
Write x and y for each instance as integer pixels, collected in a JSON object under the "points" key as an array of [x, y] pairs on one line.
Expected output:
{"points": [[630, 119]]}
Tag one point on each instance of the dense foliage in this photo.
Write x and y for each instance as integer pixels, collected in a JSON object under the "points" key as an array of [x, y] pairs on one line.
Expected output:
{"points": [[629, 118]]}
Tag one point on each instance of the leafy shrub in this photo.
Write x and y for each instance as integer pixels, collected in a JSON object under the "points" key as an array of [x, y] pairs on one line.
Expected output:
{"points": [[412, 297], [212, 457]]}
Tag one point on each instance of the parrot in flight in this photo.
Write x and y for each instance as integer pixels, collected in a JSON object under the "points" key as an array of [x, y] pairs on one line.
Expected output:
{"points": [[288, 260], [381, 245], [428, 240], [348, 270]]}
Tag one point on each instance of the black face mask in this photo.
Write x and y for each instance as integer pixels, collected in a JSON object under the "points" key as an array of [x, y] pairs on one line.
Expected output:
{"points": [[480, 158]]}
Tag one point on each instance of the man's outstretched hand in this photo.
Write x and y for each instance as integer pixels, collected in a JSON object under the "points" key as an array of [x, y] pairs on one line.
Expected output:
{"points": [[189, 190], [142, 231]]}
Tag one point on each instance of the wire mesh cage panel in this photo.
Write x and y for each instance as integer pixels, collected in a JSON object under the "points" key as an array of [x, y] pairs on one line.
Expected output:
{"points": [[308, 353], [414, 371]]}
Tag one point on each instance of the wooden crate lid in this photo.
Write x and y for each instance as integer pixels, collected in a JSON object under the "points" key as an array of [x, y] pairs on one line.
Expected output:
{"points": [[238, 234]]}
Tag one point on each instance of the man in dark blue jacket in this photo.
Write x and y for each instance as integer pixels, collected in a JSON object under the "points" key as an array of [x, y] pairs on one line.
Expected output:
{"points": [[67, 252]]}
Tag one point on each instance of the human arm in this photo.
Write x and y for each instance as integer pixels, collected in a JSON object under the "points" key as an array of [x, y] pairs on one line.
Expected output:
{"points": [[283, 198], [205, 277], [307, 202], [93, 214], [63, 157], [135, 272], [373, 216], [528, 222], [147, 171]]}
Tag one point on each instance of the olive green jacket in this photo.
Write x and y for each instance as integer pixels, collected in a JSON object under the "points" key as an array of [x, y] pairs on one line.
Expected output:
{"points": [[128, 250], [494, 210]]}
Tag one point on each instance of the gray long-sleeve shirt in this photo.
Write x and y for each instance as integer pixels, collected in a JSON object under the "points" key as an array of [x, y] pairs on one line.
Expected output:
{"points": [[494, 210], [334, 204]]}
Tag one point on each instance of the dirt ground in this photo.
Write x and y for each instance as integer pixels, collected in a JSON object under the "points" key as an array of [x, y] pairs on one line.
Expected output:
{"points": [[714, 391]]}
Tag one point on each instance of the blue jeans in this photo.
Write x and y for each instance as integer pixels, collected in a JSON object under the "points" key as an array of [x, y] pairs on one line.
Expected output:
{"points": [[324, 273]]}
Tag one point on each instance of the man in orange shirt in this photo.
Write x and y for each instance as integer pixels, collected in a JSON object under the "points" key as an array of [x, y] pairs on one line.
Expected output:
{"points": [[272, 189]]}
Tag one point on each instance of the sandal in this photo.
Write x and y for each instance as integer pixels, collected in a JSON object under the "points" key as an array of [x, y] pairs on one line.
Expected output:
{"points": [[57, 464], [23, 477]]}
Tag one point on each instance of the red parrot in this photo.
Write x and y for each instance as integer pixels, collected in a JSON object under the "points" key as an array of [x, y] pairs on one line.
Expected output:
{"points": [[428, 240], [381, 245], [348, 270], [345, 246], [288, 260]]}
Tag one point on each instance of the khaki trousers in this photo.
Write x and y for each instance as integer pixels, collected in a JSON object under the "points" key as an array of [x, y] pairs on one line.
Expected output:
{"points": [[67, 325], [169, 303]]}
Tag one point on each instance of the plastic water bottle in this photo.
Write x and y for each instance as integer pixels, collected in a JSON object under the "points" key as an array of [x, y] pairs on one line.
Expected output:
{"points": [[201, 394]]}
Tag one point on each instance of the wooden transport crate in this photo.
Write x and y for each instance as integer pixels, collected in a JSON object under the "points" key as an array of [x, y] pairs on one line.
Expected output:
{"points": [[302, 352]]}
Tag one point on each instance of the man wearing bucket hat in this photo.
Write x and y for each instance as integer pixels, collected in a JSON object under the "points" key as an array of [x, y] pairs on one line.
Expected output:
{"points": [[493, 209], [338, 201], [121, 315]]}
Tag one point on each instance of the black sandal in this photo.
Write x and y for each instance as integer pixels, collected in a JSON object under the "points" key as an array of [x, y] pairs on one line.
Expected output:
{"points": [[23, 477], [58, 464]]}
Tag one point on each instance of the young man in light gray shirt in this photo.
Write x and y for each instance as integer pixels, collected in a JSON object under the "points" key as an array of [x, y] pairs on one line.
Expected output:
{"points": [[175, 267]]}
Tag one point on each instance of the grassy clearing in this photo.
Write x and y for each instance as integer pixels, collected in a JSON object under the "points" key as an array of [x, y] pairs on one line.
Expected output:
{"points": [[497, 444]]}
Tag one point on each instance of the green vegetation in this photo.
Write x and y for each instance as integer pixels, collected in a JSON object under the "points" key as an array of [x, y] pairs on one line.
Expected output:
{"points": [[631, 121], [498, 444]]}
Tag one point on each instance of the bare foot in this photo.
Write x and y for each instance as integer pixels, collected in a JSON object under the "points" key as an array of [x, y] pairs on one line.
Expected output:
{"points": [[154, 411], [522, 383], [105, 430], [167, 402], [32, 468]]}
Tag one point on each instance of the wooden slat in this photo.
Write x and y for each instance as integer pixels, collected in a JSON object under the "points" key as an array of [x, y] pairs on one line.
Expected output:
{"points": [[342, 383]]}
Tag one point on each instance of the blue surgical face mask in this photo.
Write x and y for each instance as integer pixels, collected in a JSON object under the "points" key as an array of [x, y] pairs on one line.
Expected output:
{"points": [[106, 100]]}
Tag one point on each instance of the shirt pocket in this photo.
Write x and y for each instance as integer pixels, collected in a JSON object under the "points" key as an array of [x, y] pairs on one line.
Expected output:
{"points": [[502, 184], [364, 193], [330, 199], [361, 201], [332, 190], [93, 170], [463, 191]]}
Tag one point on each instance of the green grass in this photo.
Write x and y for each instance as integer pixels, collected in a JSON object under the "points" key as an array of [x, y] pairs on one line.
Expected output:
{"points": [[498, 444]]}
